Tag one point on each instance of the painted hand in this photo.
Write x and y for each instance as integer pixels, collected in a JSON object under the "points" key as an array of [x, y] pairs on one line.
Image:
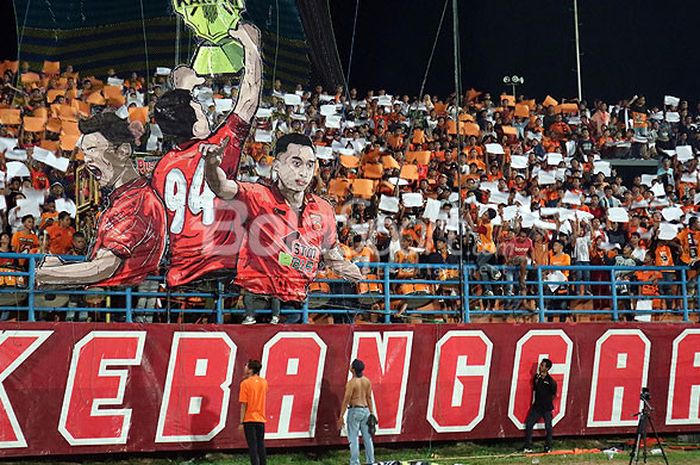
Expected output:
{"points": [[213, 153], [247, 33], [185, 78]]}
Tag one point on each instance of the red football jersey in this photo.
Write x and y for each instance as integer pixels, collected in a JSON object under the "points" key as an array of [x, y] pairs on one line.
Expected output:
{"points": [[200, 226], [280, 253], [133, 227]]}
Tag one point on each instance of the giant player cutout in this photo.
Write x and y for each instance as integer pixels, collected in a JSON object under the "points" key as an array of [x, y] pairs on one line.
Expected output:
{"points": [[130, 238], [289, 231], [201, 230]]}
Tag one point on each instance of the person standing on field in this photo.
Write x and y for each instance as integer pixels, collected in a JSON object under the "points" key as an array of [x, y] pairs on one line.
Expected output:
{"points": [[358, 404], [545, 390], [252, 396]]}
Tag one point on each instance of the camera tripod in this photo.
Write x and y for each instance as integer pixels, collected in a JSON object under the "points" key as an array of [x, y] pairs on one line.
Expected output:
{"points": [[642, 429]]}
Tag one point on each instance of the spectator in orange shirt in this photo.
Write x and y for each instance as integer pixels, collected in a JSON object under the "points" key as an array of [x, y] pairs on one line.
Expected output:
{"points": [[362, 253], [25, 240], [559, 258], [485, 249], [252, 396], [39, 179], [664, 257], [61, 234], [49, 214]]}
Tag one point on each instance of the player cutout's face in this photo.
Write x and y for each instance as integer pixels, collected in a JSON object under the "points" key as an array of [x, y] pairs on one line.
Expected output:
{"points": [[295, 167], [200, 129], [104, 160]]}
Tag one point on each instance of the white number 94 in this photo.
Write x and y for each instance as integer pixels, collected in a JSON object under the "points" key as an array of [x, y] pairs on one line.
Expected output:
{"points": [[199, 199]]}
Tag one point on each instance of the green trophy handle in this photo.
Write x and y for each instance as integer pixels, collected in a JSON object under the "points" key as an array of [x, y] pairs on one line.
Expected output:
{"points": [[224, 58]]}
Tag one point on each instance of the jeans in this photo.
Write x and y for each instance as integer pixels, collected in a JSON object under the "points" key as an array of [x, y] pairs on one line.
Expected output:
{"points": [[510, 275], [487, 272], [357, 421], [557, 304], [254, 302], [147, 302], [532, 418], [255, 436], [583, 275]]}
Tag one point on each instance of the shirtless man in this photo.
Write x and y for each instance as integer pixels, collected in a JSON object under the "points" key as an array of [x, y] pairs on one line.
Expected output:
{"points": [[358, 403]]}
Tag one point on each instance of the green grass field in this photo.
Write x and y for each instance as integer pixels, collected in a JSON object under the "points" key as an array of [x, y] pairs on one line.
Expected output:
{"points": [[491, 453]]}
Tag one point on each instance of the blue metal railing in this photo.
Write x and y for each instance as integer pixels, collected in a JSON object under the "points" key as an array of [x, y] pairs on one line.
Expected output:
{"points": [[434, 291]]}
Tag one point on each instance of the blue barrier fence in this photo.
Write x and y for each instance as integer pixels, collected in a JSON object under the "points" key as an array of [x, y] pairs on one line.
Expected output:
{"points": [[391, 292]]}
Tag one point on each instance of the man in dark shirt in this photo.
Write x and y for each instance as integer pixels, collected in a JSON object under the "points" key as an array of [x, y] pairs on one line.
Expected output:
{"points": [[545, 389]]}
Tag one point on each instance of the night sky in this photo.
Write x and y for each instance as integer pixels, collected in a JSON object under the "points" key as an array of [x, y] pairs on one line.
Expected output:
{"points": [[629, 46]]}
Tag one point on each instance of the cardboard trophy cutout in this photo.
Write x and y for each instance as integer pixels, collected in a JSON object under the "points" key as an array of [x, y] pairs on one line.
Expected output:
{"points": [[211, 21]]}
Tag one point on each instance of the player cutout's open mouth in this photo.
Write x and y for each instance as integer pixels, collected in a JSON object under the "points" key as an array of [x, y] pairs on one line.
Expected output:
{"points": [[300, 182], [95, 171]]}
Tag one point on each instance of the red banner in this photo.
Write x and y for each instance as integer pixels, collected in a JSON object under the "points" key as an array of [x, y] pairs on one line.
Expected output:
{"points": [[93, 388]]}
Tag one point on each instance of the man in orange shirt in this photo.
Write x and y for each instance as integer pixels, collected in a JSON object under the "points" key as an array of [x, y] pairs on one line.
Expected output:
{"points": [[664, 257], [25, 240], [485, 249], [559, 258], [689, 239], [252, 396], [61, 234], [650, 278]]}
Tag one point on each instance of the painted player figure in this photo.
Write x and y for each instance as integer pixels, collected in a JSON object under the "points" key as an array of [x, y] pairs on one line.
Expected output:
{"points": [[545, 389], [201, 238], [131, 234], [289, 231]]}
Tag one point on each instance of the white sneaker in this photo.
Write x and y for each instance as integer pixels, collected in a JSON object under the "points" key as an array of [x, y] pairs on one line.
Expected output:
{"points": [[249, 320], [275, 320]]}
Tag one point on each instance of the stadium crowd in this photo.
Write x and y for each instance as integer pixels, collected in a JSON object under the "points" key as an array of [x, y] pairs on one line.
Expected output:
{"points": [[533, 178]]}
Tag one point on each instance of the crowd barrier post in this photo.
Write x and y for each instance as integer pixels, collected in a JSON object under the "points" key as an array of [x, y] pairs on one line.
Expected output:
{"points": [[684, 293], [387, 294], [129, 313], [540, 290], [219, 302], [466, 316], [305, 311], [31, 282], [613, 291]]}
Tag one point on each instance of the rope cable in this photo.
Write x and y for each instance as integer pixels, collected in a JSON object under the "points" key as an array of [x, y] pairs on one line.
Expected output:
{"points": [[432, 52], [411, 126], [20, 38], [145, 45], [177, 39], [352, 41], [337, 54], [277, 42], [460, 140]]}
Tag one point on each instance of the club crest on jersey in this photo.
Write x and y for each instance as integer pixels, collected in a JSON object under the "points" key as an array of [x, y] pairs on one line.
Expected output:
{"points": [[316, 222]]}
